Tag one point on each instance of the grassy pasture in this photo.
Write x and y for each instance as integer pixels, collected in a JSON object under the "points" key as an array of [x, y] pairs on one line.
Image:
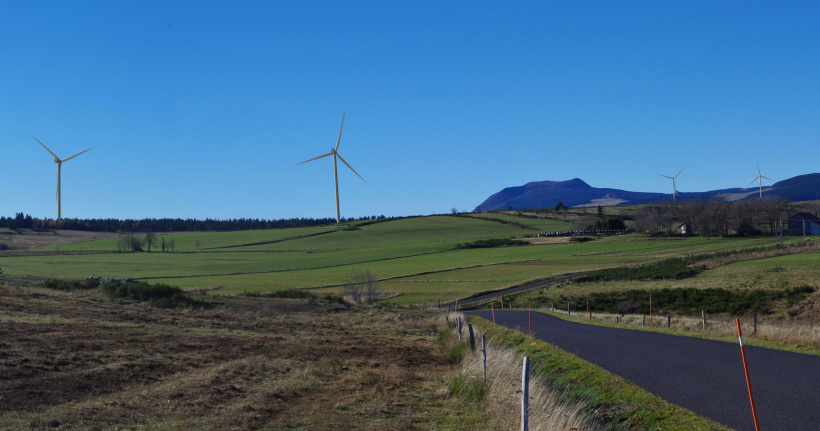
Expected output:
{"points": [[539, 224], [187, 241], [774, 273], [414, 257]]}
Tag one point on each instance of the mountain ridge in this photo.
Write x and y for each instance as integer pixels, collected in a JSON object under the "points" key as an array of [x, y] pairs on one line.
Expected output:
{"points": [[576, 192]]}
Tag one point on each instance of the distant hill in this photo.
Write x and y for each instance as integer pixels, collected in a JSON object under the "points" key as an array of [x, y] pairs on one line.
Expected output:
{"points": [[575, 192]]}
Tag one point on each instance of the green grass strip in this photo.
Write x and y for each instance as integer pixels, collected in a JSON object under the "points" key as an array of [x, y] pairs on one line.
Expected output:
{"points": [[613, 400]]}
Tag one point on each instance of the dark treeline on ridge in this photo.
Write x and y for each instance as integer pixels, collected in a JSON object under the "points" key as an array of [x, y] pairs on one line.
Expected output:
{"points": [[21, 221]]}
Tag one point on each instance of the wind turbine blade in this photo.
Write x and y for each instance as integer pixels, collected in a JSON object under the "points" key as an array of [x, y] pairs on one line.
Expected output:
{"points": [[754, 180], [666, 176], [758, 169], [323, 155], [766, 178], [78, 154], [44, 146], [676, 175], [340, 132], [351, 168]]}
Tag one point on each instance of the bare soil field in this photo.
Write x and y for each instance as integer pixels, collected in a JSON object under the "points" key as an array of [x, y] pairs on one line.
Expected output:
{"points": [[83, 361], [28, 240]]}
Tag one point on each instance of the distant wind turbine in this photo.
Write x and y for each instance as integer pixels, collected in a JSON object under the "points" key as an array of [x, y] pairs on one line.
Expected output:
{"points": [[674, 189], [59, 167], [760, 179], [334, 152]]}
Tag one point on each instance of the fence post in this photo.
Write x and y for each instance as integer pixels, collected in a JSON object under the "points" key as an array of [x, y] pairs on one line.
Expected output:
{"points": [[755, 313], [644, 321], [617, 319], [472, 339], [553, 305], [651, 324], [669, 321], [484, 353], [703, 315], [448, 320], [588, 310], [569, 313], [458, 324], [502, 301], [439, 305], [525, 395]]}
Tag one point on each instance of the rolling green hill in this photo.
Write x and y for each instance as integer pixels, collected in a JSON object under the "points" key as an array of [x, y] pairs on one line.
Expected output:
{"points": [[415, 258]]}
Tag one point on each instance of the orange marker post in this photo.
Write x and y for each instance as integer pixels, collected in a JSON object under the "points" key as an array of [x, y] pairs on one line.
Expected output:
{"points": [[746, 370], [529, 312], [492, 308], [650, 311]]}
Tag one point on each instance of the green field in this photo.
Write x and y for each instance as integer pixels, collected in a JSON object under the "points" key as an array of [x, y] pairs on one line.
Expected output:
{"points": [[414, 257]]}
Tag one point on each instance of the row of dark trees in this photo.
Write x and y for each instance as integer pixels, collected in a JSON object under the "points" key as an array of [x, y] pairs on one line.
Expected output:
{"points": [[21, 221], [713, 217]]}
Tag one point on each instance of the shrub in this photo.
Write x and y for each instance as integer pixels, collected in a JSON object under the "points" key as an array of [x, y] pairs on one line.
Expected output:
{"points": [[158, 295], [71, 285], [490, 243], [457, 353], [286, 293], [469, 389], [675, 268], [689, 300]]}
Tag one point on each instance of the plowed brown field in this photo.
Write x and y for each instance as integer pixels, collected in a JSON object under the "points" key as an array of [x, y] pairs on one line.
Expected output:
{"points": [[82, 361]]}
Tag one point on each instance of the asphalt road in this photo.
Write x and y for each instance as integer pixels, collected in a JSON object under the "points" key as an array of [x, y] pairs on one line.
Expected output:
{"points": [[518, 289], [703, 376]]}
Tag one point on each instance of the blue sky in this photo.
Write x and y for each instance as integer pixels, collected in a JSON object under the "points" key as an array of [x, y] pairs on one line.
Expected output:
{"points": [[204, 109]]}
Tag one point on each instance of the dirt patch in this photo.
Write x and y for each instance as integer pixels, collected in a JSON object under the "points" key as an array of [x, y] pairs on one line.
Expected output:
{"points": [[547, 240], [27, 239], [81, 361]]}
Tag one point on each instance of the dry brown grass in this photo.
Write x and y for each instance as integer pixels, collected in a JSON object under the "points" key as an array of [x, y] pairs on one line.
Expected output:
{"points": [[30, 239], [548, 409], [779, 329], [80, 361]]}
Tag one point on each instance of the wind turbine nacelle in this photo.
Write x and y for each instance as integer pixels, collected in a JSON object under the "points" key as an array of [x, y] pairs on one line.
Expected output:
{"points": [[56, 160]]}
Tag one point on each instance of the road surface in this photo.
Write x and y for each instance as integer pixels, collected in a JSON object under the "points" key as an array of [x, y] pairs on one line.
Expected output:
{"points": [[703, 376]]}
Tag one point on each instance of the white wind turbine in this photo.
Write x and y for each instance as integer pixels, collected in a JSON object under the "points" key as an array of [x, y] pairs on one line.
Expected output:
{"points": [[333, 152], [760, 178], [59, 168], [674, 189]]}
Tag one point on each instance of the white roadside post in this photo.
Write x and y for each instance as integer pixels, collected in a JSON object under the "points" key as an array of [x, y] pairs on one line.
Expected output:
{"points": [[525, 395]]}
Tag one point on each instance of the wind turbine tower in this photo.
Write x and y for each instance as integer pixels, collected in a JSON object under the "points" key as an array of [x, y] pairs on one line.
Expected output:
{"points": [[59, 168], [760, 179], [674, 189], [334, 152]]}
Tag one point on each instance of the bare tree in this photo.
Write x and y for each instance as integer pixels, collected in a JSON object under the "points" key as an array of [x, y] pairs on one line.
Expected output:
{"points": [[361, 286], [129, 242], [150, 239]]}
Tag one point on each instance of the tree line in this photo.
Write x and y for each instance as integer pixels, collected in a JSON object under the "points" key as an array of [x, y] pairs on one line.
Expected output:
{"points": [[21, 221], [713, 217]]}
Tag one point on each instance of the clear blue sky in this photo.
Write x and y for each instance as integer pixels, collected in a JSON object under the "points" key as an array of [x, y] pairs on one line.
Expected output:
{"points": [[203, 109]]}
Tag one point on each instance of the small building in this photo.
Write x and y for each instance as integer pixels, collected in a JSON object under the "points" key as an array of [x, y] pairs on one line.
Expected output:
{"points": [[684, 229], [801, 223]]}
